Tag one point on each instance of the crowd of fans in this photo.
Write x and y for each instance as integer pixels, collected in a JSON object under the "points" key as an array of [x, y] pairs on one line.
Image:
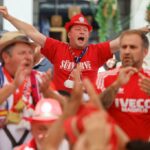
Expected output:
{"points": [[52, 96]]}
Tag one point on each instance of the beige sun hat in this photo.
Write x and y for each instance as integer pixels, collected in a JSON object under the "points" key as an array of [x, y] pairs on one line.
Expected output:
{"points": [[9, 38]]}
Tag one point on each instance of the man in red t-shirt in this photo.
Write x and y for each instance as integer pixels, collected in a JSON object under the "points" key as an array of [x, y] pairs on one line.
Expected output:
{"points": [[131, 107], [66, 56]]}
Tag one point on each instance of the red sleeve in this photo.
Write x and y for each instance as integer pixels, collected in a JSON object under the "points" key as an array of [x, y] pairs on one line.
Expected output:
{"points": [[104, 52], [50, 48]]}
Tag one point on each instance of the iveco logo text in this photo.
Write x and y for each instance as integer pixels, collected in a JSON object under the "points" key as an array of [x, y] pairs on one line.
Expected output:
{"points": [[133, 105]]}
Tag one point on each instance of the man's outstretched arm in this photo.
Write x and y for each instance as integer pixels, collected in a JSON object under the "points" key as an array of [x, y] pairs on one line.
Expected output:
{"points": [[26, 28]]}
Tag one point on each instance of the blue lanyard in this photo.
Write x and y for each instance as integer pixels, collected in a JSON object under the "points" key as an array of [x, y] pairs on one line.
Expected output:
{"points": [[77, 59]]}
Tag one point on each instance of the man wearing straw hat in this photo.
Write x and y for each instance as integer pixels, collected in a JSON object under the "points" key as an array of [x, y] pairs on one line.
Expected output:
{"points": [[19, 88]]}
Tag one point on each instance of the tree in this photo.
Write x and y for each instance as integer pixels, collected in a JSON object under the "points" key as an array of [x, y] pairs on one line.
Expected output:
{"points": [[108, 19]]}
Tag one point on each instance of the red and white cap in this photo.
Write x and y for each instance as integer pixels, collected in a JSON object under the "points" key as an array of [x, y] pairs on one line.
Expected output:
{"points": [[46, 110], [78, 19]]}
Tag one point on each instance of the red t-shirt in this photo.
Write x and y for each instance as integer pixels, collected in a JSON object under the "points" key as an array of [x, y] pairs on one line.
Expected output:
{"points": [[131, 107], [58, 53]]}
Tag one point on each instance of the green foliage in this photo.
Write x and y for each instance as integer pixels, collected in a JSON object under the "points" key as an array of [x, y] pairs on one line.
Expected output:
{"points": [[148, 7], [108, 19], [148, 13]]}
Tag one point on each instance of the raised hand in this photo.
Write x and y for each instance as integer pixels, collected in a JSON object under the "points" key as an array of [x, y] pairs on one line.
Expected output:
{"points": [[45, 80], [92, 138], [76, 96], [125, 75], [22, 73], [4, 12], [76, 73], [92, 93], [145, 29], [144, 83]]}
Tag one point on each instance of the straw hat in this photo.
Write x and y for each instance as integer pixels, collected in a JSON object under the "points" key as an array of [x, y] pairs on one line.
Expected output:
{"points": [[9, 38]]}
